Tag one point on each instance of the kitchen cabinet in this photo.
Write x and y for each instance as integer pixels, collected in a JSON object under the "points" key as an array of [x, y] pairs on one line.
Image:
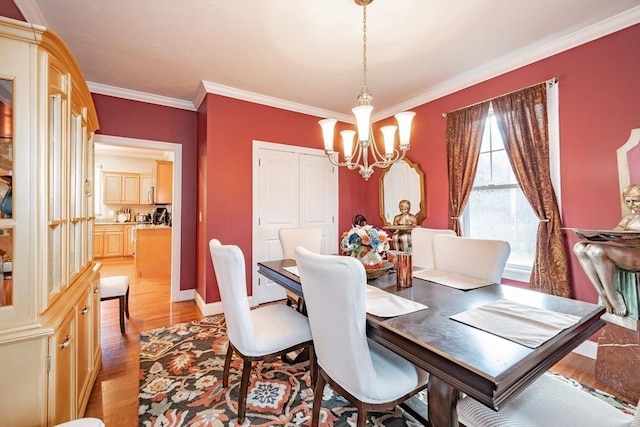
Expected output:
{"points": [[49, 329], [163, 171], [121, 188], [112, 187], [146, 189], [153, 252], [98, 243], [110, 240]]}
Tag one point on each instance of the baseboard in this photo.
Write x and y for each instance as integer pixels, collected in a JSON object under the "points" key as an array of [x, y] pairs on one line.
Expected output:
{"points": [[210, 309], [184, 295], [588, 349]]}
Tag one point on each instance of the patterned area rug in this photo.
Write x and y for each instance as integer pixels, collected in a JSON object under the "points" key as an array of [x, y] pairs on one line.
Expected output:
{"points": [[181, 385]]}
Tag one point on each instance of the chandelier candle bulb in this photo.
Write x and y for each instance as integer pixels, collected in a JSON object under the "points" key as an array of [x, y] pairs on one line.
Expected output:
{"points": [[404, 128], [347, 142], [363, 121], [389, 136], [328, 126]]}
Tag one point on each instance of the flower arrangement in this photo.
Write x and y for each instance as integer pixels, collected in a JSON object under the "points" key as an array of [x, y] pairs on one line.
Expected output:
{"points": [[367, 243]]}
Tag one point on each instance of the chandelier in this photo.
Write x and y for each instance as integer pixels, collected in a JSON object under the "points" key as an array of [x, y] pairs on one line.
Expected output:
{"points": [[366, 154]]}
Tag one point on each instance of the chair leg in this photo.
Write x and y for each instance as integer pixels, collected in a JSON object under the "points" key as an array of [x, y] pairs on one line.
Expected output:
{"points": [[318, 390], [313, 366], [227, 365], [244, 387], [126, 303], [122, 305], [362, 418]]}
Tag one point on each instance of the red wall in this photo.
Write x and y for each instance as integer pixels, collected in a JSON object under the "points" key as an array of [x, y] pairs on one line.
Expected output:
{"points": [[226, 172], [133, 119], [10, 10]]}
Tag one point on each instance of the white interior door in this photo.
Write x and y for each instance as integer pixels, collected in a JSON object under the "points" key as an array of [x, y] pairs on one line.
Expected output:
{"points": [[318, 198], [292, 187]]}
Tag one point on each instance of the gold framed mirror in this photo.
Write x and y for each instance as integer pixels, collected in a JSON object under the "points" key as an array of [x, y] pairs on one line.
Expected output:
{"points": [[403, 180]]}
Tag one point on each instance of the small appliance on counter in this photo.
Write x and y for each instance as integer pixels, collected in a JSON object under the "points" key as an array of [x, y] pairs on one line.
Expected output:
{"points": [[161, 216], [143, 217], [123, 215]]}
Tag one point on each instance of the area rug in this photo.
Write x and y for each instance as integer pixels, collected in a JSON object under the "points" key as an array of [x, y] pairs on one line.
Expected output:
{"points": [[181, 385]]}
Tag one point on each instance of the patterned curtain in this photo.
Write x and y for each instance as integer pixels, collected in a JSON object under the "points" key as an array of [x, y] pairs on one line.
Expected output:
{"points": [[464, 137], [522, 120]]}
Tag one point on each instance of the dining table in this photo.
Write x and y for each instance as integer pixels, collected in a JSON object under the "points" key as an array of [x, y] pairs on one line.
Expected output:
{"points": [[461, 358]]}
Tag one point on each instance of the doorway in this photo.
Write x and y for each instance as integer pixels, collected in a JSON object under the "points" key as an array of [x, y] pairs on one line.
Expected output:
{"points": [[114, 142]]}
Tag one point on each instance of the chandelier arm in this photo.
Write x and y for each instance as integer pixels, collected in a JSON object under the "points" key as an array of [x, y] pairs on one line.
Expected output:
{"points": [[355, 159], [334, 158], [396, 158], [376, 154]]}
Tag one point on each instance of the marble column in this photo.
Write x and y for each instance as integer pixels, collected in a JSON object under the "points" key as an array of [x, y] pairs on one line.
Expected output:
{"points": [[618, 360]]}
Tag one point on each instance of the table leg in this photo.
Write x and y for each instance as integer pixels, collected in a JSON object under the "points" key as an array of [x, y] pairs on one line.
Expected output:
{"points": [[443, 399]]}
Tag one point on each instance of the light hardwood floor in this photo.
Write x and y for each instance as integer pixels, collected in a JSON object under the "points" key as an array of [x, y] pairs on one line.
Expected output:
{"points": [[114, 398]]}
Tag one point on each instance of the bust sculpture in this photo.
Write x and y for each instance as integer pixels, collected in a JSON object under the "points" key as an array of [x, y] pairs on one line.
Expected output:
{"points": [[402, 225], [405, 217], [600, 260]]}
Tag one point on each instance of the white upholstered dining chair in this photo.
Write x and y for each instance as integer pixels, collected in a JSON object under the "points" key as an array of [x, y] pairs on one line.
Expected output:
{"points": [[290, 239], [370, 376], [264, 333], [482, 259], [82, 422], [422, 245], [548, 402]]}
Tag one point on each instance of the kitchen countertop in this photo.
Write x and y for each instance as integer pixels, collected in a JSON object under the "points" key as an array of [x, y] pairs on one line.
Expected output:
{"points": [[138, 225], [147, 225]]}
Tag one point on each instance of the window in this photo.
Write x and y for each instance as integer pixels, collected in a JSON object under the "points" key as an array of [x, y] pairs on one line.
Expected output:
{"points": [[497, 208]]}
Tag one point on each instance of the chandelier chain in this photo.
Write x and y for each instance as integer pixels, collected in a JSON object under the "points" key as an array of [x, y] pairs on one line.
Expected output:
{"points": [[364, 49]]}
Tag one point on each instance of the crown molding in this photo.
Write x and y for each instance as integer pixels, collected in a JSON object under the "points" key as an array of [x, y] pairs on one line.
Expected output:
{"points": [[270, 101], [135, 95], [519, 59], [31, 12]]}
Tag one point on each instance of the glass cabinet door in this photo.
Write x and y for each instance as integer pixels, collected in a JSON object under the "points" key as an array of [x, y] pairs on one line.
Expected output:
{"points": [[6, 197], [58, 135]]}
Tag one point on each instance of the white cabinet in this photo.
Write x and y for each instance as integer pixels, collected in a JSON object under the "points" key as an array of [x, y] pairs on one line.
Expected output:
{"points": [[49, 319]]}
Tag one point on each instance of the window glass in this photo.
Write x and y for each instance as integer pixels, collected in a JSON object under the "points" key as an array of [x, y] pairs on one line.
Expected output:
{"points": [[497, 208]]}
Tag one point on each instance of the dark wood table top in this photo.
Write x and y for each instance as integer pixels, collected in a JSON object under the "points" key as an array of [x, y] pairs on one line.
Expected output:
{"points": [[489, 368]]}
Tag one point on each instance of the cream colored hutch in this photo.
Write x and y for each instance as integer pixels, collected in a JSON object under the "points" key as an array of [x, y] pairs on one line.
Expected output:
{"points": [[50, 312]]}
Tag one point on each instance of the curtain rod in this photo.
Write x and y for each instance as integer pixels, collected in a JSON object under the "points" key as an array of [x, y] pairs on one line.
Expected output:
{"points": [[551, 81]]}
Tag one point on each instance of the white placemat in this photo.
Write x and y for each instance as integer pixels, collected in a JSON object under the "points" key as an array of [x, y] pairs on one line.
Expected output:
{"points": [[293, 270], [526, 325], [384, 304], [453, 280]]}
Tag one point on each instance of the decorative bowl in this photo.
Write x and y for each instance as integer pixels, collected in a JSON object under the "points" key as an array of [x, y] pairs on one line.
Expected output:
{"points": [[375, 273]]}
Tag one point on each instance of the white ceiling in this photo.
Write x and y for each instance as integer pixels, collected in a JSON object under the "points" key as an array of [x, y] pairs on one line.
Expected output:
{"points": [[306, 55]]}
